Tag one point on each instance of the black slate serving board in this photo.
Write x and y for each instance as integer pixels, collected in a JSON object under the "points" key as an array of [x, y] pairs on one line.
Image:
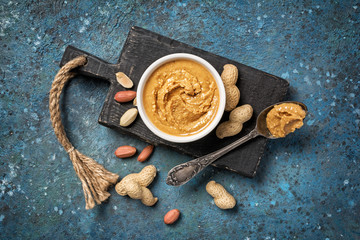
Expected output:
{"points": [[143, 47]]}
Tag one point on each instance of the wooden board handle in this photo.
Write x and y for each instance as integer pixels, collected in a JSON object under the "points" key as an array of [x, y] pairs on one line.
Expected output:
{"points": [[95, 67]]}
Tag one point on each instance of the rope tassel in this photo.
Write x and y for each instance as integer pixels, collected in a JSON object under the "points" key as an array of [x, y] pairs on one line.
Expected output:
{"points": [[94, 177]]}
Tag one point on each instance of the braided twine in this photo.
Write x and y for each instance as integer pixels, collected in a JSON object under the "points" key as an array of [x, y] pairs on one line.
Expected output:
{"points": [[94, 177]]}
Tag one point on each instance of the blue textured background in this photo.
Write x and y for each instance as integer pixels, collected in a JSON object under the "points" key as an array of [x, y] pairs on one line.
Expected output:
{"points": [[307, 186]]}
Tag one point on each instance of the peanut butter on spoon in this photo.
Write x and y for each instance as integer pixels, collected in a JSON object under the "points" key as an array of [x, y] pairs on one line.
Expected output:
{"points": [[285, 118]]}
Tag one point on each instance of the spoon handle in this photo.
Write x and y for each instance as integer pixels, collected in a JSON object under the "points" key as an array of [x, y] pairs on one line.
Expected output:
{"points": [[182, 173]]}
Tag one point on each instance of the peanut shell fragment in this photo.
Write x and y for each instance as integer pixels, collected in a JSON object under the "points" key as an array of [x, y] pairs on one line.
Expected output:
{"points": [[128, 117], [229, 77], [222, 198], [237, 118], [135, 185], [124, 80]]}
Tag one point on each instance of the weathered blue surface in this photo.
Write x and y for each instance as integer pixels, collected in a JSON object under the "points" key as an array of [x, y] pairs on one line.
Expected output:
{"points": [[307, 186]]}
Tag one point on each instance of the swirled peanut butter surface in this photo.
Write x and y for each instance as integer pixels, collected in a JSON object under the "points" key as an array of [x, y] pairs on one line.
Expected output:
{"points": [[181, 98], [284, 119]]}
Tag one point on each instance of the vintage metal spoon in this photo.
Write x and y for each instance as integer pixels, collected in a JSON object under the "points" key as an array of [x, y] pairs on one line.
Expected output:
{"points": [[183, 173]]}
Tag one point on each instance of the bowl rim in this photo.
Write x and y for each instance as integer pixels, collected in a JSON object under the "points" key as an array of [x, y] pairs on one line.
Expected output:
{"points": [[152, 127]]}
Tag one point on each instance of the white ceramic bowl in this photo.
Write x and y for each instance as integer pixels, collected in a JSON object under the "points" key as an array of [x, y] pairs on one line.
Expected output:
{"points": [[152, 127]]}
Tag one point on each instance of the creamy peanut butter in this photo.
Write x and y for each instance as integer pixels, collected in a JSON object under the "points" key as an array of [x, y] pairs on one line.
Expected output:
{"points": [[181, 98], [284, 119]]}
